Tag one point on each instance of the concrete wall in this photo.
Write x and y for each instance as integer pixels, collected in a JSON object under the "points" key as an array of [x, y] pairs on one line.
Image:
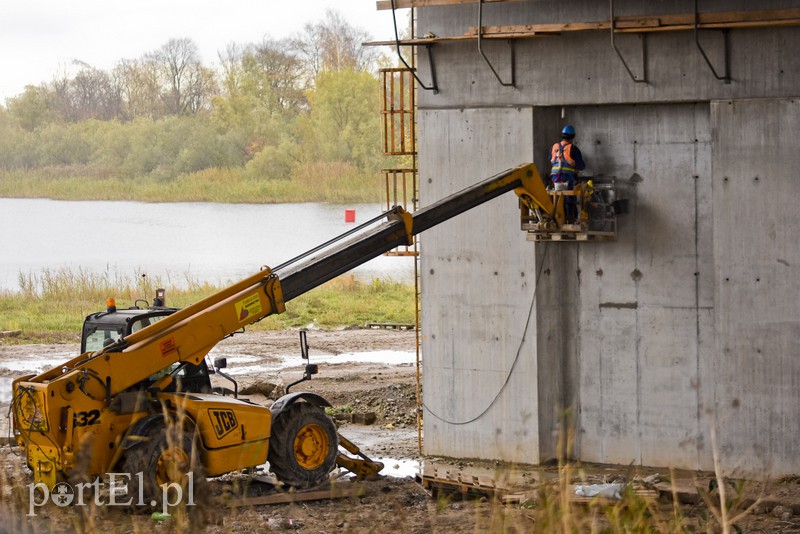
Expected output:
{"points": [[481, 307], [757, 324], [582, 67], [639, 347]]}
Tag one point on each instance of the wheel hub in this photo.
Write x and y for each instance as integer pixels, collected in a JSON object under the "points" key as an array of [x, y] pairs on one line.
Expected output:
{"points": [[311, 446]]}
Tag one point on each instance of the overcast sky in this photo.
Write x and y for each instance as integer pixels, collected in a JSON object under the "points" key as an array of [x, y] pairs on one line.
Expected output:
{"points": [[39, 38]]}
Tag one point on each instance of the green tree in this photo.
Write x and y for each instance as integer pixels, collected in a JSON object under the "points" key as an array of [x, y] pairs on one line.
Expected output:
{"points": [[33, 108], [15, 143], [344, 123], [62, 144], [264, 93]]}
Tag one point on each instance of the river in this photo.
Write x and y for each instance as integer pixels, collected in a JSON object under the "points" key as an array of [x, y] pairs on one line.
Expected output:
{"points": [[206, 242]]}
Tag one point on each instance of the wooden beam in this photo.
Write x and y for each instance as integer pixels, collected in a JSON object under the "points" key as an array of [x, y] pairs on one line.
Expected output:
{"points": [[399, 4], [335, 492], [633, 25], [675, 22], [725, 16], [422, 41], [719, 26], [629, 24]]}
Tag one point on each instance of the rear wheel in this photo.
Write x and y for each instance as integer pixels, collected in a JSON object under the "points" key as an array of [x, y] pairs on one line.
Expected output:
{"points": [[303, 446]]}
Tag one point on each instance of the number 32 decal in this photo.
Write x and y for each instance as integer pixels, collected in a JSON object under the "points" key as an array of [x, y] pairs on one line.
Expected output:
{"points": [[85, 418]]}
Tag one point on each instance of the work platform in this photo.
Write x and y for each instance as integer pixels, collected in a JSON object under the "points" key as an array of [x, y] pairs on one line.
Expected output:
{"points": [[597, 205], [570, 232]]}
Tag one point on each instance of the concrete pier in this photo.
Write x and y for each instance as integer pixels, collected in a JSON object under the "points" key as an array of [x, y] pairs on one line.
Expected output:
{"points": [[635, 349]]}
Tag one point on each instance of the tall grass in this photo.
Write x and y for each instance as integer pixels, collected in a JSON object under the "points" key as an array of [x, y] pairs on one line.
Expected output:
{"points": [[52, 304], [333, 182]]}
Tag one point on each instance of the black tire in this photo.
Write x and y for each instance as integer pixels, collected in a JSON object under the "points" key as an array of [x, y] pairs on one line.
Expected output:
{"points": [[167, 455], [303, 446]]}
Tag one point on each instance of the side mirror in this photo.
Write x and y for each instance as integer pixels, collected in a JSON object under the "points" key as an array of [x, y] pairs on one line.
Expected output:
{"points": [[220, 363]]}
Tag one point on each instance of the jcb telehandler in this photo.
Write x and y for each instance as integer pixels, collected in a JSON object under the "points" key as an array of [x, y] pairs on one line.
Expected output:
{"points": [[138, 400]]}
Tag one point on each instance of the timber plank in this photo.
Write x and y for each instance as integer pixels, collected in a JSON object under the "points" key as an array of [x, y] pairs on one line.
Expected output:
{"points": [[338, 491], [628, 24]]}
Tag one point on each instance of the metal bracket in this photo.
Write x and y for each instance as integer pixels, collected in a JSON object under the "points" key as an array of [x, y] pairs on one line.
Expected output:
{"points": [[486, 59], [726, 53], [433, 87], [624, 63]]}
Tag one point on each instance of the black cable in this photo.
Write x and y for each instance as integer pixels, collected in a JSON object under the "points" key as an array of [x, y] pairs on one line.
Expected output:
{"points": [[18, 399], [94, 374], [513, 365], [8, 417]]}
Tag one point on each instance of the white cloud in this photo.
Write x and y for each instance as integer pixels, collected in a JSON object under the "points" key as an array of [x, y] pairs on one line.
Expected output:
{"points": [[40, 38]]}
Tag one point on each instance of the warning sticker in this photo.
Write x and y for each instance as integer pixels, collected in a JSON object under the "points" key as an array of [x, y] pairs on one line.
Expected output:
{"points": [[167, 346], [248, 307]]}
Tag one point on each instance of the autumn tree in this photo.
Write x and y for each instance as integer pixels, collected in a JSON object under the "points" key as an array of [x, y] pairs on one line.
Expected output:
{"points": [[334, 44], [140, 88], [92, 94], [186, 84]]}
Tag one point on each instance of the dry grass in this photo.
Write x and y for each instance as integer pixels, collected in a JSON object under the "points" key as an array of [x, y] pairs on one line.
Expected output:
{"points": [[551, 508], [333, 182], [52, 304]]}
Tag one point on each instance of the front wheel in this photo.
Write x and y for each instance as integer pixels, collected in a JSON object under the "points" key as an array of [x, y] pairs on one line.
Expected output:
{"points": [[166, 461], [303, 446]]}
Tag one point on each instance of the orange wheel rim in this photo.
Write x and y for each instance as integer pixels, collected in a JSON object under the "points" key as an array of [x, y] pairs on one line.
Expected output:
{"points": [[311, 446]]}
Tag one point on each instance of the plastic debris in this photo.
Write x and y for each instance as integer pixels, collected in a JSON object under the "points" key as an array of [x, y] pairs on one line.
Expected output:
{"points": [[609, 491]]}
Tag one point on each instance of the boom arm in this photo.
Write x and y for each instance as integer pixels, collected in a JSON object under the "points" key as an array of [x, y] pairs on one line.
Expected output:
{"points": [[189, 334], [402, 226]]}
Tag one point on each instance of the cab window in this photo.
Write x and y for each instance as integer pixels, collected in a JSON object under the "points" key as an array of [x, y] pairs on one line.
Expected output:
{"points": [[138, 324], [102, 338]]}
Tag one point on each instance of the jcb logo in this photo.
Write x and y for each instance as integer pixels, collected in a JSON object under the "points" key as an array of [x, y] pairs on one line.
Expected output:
{"points": [[223, 421]]}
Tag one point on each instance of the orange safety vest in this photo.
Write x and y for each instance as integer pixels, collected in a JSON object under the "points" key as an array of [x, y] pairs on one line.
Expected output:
{"points": [[561, 159]]}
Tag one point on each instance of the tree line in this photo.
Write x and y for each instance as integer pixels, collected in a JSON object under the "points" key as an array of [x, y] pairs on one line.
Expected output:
{"points": [[270, 108]]}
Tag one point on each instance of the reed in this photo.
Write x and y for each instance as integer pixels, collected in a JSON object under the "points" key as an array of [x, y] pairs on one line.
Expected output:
{"points": [[51, 304], [333, 182]]}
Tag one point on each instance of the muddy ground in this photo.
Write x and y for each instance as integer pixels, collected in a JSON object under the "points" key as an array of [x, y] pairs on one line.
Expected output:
{"points": [[264, 363]]}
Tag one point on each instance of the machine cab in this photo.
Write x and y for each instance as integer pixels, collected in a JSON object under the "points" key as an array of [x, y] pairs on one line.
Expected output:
{"points": [[104, 328]]}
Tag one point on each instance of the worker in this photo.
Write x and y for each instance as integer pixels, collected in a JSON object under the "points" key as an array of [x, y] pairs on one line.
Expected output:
{"points": [[566, 160]]}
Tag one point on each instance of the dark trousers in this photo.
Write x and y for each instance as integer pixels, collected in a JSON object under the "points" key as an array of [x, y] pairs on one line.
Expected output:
{"points": [[570, 202]]}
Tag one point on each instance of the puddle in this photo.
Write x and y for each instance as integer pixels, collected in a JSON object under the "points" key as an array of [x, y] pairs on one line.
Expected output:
{"points": [[388, 357], [399, 468], [392, 468], [242, 359], [33, 365], [5, 389]]}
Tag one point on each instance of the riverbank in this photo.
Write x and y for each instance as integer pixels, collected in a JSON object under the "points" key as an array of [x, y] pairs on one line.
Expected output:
{"points": [[336, 183], [51, 307]]}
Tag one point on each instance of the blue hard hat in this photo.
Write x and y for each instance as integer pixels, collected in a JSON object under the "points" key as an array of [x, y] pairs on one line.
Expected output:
{"points": [[568, 131]]}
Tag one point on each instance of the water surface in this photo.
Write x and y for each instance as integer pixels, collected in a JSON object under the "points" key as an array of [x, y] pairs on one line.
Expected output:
{"points": [[217, 243]]}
